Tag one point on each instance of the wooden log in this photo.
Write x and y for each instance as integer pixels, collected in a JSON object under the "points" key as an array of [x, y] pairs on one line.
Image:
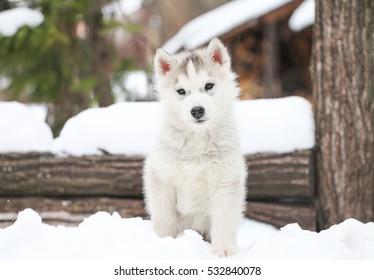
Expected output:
{"points": [[72, 212], [68, 212], [47, 175], [279, 214], [272, 176], [278, 176]]}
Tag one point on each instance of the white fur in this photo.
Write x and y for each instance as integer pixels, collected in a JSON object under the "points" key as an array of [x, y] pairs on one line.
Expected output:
{"points": [[195, 176]]}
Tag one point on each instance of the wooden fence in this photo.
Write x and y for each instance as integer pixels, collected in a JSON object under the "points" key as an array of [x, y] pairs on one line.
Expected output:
{"points": [[65, 190]]}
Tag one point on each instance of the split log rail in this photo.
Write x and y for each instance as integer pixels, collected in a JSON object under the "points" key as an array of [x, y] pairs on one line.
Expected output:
{"points": [[65, 190]]}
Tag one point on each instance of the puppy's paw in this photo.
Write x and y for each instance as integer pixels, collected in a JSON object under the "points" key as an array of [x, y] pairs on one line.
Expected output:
{"points": [[224, 250], [163, 231]]}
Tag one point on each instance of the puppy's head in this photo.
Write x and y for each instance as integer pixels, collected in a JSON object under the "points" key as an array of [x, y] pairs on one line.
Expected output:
{"points": [[198, 87]]}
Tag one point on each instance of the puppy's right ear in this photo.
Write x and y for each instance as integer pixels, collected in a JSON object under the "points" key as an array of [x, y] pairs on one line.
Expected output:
{"points": [[163, 62]]}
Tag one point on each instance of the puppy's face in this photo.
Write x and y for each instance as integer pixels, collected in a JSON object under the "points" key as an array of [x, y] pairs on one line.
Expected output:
{"points": [[196, 87]]}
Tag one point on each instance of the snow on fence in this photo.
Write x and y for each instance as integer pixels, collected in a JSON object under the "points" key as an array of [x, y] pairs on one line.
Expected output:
{"points": [[87, 168]]}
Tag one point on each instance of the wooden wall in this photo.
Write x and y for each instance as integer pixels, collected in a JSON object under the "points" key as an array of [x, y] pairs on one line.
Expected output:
{"points": [[270, 59]]}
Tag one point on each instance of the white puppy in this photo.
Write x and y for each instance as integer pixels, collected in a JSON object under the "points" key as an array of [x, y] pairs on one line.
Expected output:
{"points": [[195, 176]]}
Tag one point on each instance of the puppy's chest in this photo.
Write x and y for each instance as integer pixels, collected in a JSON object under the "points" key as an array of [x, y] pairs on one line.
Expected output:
{"points": [[195, 184], [200, 149], [195, 164]]}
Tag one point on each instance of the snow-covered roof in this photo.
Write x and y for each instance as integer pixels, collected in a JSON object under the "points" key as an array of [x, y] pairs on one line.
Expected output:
{"points": [[219, 21], [13, 19], [303, 16]]}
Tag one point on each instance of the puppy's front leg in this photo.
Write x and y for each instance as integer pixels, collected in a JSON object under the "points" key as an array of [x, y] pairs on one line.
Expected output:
{"points": [[161, 204], [226, 211]]}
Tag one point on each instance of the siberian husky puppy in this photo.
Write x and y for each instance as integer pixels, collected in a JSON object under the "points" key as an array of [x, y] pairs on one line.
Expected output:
{"points": [[195, 176]]}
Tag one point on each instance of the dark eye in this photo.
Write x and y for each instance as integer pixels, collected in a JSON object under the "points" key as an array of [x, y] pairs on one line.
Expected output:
{"points": [[181, 91], [209, 86]]}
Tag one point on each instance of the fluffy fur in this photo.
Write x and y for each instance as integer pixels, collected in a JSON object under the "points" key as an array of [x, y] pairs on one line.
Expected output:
{"points": [[195, 176]]}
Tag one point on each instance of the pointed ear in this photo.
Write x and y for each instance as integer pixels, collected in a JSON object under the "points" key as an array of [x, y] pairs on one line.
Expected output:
{"points": [[163, 62], [218, 53]]}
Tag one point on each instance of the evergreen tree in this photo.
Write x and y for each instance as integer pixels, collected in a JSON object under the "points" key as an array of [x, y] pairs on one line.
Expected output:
{"points": [[66, 61]]}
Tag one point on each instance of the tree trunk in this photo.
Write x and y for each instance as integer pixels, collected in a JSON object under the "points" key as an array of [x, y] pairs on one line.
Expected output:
{"points": [[102, 56], [343, 89]]}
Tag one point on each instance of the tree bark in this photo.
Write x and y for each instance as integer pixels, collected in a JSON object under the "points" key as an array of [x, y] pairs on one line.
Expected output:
{"points": [[343, 91]]}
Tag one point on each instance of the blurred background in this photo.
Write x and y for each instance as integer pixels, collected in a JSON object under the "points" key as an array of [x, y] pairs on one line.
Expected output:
{"points": [[74, 54]]}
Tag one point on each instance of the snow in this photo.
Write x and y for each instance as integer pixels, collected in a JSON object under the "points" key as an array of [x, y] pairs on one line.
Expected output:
{"points": [[21, 130], [226, 17], [108, 236], [13, 19], [4, 81], [219, 21], [275, 125], [265, 125], [120, 8], [303, 16], [40, 111], [136, 85], [123, 128]]}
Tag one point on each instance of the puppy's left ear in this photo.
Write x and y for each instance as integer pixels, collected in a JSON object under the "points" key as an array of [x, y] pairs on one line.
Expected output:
{"points": [[218, 53]]}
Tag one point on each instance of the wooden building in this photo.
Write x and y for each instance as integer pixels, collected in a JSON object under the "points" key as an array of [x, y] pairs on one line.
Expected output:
{"points": [[270, 58]]}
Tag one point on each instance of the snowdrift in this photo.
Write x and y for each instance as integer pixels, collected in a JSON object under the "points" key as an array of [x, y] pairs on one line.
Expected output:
{"points": [[108, 236]]}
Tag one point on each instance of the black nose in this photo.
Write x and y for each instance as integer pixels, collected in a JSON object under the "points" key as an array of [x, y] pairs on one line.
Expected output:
{"points": [[197, 112]]}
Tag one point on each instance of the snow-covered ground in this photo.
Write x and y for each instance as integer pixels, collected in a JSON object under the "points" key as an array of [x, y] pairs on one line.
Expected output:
{"points": [[267, 125], [108, 236], [275, 125]]}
